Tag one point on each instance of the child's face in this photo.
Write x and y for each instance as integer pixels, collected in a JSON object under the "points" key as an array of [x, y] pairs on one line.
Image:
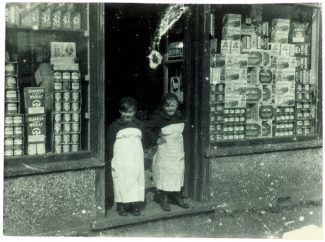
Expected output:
{"points": [[171, 107], [127, 116]]}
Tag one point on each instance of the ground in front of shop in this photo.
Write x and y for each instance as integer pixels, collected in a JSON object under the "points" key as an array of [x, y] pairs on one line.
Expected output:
{"points": [[252, 223]]}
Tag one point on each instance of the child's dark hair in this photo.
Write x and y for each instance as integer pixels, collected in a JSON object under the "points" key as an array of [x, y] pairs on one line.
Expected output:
{"points": [[167, 97], [126, 103]]}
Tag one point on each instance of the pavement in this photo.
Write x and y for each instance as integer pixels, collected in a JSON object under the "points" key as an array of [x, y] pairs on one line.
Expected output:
{"points": [[271, 223]]}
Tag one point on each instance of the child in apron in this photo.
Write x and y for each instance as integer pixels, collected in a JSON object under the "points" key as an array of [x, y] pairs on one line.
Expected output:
{"points": [[166, 128], [127, 158]]}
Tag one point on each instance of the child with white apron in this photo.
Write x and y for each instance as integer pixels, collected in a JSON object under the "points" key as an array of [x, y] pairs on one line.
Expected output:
{"points": [[127, 158], [168, 163]]}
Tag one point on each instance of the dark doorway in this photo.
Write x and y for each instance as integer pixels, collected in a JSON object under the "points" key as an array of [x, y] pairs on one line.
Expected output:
{"points": [[129, 31]]}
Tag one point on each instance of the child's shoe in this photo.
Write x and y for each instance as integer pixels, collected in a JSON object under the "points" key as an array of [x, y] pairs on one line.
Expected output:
{"points": [[121, 209], [134, 210]]}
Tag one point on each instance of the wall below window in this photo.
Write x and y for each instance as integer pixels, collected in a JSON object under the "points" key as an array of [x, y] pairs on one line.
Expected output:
{"points": [[259, 180], [48, 202]]}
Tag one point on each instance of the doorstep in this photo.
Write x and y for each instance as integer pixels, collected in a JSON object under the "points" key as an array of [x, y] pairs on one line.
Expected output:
{"points": [[151, 212]]}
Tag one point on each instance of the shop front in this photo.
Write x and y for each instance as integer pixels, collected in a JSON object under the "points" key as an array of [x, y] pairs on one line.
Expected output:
{"points": [[248, 77]]}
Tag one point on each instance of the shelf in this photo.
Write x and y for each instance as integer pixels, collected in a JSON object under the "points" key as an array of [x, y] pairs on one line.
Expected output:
{"points": [[38, 28], [174, 61]]}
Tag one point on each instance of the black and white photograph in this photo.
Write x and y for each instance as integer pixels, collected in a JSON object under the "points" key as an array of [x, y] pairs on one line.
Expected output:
{"points": [[162, 119]]}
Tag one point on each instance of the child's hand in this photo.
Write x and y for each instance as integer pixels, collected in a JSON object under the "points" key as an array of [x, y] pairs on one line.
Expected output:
{"points": [[161, 141]]}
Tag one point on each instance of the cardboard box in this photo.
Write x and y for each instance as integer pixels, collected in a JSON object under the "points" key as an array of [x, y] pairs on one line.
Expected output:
{"points": [[225, 47], [302, 50], [275, 49], [281, 37], [231, 33], [284, 93], [298, 32], [76, 20], [63, 49], [279, 24], [57, 19], [35, 129], [232, 20], [66, 20], [30, 17], [235, 94], [235, 47], [34, 100], [46, 18]]}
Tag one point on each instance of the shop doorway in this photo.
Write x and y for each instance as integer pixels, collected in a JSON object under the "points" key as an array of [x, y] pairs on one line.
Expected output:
{"points": [[128, 33]]}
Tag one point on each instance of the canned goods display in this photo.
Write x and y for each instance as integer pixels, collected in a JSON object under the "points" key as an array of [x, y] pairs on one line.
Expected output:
{"points": [[75, 138], [57, 117], [75, 76], [57, 75], [9, 131], [8, 152], [66, 96], [11, 82], [18, 152], [67, 127], [75, 117], [66, 75], [57, 139], [12, 107], [65, 148], [67, 117], [9, 120], [66, 107], [75, 107], [58, 86], [11, 95], [74, 148], [18, 119], [58, 107], [75, 127], [75, 97], [57, 127], [18, 141], [18, 130], [75, 86], [10, 69], [66, 138], [58, 97], [58, 149], [9, 141]]}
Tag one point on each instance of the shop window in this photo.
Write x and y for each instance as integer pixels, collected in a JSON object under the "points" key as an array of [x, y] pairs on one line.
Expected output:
{"points": [[263, 73], [47, 80]]}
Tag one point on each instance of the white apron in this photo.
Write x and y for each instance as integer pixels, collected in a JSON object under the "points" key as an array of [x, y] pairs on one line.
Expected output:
{"points": [[128, 166], [168, 162]]}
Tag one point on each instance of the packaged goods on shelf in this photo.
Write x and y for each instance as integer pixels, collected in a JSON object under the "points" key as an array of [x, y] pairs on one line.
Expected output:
{"points": [[215, 75], [66, 19], [232, 20], [302, 50], [63, 49], [13, 13], [225, 46], [284, 93], [35, 129], [34, 100], [257, 57], [46, 18], [235, 94], [30, 17], [12, 107], [76, 20], [298, 32], [287, 50], [265, 75], [253, 93], [279, 24], [281, 37], [303, 63], [247, 30], [57, 19], [231, 33], [275, 49]]}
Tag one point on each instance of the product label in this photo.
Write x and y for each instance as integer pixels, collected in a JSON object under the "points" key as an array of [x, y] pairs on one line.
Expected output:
{"points": [[34, 100], [36, 128]]}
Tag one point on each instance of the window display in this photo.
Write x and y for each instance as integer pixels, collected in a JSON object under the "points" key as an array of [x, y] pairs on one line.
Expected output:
{"points": [[47, 74], [260, 83]]}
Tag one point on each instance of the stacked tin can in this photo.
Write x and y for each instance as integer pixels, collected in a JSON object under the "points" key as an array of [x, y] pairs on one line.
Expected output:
{"points": [[66, 111], [14, 126], [284, 125], [305, 105]]}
